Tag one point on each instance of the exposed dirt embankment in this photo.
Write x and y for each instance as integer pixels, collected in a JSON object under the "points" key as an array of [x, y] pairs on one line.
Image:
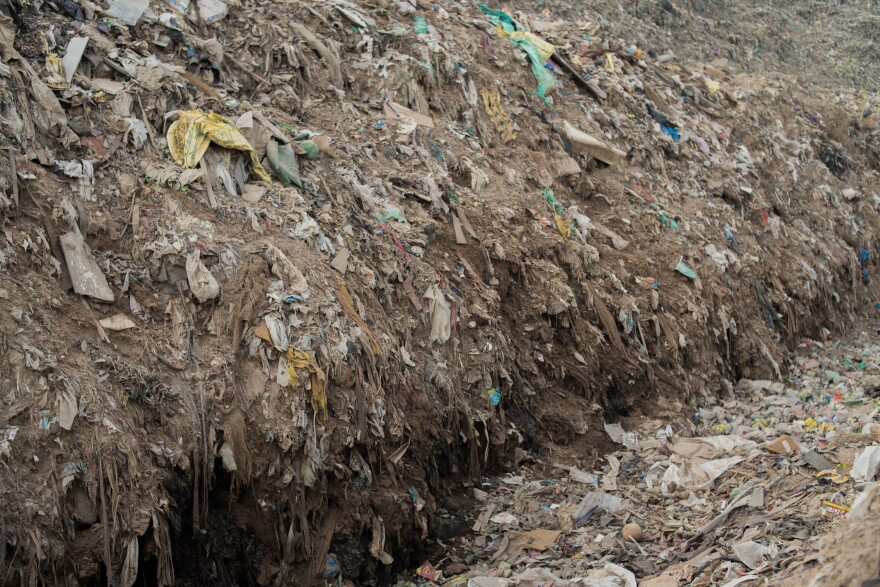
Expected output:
{"points": [[217, 370]]}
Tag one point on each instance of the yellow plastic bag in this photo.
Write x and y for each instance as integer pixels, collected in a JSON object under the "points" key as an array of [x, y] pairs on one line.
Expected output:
{"points": [[56, 72], [563, 227], [497, 114], [712, 86], [297, 359], [348, 305], [609, 63], [194, 131], [54, 66]]}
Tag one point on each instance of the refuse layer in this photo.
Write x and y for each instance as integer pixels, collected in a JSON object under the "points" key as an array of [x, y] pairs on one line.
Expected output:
{"points": [[288, 348], [768, 517]]}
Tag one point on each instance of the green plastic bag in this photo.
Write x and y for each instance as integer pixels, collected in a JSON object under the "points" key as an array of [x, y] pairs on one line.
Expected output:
{"points": [[283, 161], [538, 50], [309, 149], [685, 270]]}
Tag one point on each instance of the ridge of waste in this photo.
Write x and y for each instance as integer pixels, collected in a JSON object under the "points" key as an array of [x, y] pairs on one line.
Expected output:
{"points": [[280, 280]]}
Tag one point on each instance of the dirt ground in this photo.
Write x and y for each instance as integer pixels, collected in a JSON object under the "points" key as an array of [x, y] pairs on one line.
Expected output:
{"points": [[232, 347], [766, 485]]}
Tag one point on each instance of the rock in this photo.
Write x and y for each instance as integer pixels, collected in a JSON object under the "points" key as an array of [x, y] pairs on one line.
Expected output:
{"points": [[632, 531], [566, 166], [117, 322]]}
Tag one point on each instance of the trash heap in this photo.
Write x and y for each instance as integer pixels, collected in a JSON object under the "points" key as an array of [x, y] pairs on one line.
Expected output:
{"points": [[744, 494], [278, 278]]}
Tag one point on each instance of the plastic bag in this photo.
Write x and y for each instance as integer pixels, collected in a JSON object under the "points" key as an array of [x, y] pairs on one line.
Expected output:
{"points": [[201, 282], [866, 464], [194, 131], [538, 50], [441, 314], [283, 161]]}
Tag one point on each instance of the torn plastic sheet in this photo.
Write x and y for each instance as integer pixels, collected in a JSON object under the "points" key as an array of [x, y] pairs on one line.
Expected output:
{"points": [[201, 282], [84, 171], [692, 474], [866, 464], [598, 500], [610, 575], [7, 435], [441, 314], [710, 447], [277, 332], [754, 555]]}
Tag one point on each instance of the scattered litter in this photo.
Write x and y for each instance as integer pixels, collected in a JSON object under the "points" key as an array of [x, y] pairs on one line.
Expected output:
{"points": [[315, 296]]}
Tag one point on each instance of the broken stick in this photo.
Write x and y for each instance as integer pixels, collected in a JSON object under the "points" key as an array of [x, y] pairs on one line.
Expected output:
{"points": [[322, 50], [591, 87], [13, 176]]}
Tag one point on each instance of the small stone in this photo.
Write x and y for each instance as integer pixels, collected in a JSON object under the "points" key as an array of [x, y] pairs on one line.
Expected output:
{"points": [[632, 531]]}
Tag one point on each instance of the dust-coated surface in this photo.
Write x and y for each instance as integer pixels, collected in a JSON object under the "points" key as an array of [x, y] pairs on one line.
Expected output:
{"points": [[285, 280]]}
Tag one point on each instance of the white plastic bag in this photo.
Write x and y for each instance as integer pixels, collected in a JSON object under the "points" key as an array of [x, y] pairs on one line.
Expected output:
{"points": [[201, 282], [441, 314]]}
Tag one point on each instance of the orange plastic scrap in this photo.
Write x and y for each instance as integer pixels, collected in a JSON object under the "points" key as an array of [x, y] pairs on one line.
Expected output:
{"points": [[348, 306], [429, 571], [298, 359]]}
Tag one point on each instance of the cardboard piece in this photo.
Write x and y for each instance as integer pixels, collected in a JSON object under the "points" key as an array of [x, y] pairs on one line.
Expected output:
{"points": [[75, 49], [459, 233], [340, 261], [593, 146], [784, 445], [395, 111], [517, 542], [817, 461], [262, 332], [117, 322], [483, 520]]}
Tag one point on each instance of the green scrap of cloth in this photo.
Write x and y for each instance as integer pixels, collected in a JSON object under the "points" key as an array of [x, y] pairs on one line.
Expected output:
{"points": [[502, 17], [390, 214], [566, 230], [282, 158], [421, 25], [539, 52], [551, 199], [670, 222]]}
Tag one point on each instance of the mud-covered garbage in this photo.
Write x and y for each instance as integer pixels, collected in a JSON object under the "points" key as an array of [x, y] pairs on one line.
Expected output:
{"points": [[286, 286], [712, 494]]}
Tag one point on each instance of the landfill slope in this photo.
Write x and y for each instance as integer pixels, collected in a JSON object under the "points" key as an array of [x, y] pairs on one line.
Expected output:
{"points": [[769, 485], [234, 345]]}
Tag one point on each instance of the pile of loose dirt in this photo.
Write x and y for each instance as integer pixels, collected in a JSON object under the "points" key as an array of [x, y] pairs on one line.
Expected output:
{"points": [[210, 378]]}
